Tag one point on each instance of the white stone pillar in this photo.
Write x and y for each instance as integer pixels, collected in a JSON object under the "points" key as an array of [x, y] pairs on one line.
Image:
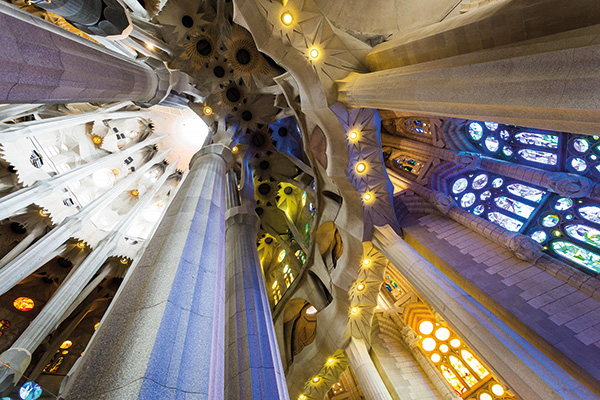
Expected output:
{"points": [[31, 259], [530, 373], [13, 202], [19, 355], [22, 130], [249, 323], [169, 313], [368, 377]]}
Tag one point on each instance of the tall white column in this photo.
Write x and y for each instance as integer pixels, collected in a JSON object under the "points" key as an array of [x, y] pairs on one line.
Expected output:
{"points": [[169, 313], [532, 375], [13, 202], [31, 259], [25, 129], [369, 379], [19, 355]]}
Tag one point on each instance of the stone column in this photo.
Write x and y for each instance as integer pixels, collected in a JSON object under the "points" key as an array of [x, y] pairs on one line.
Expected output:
{"points": [[21, 130], [532, 375], [37, 255], [19, 355], [51, 65], [14, 201], [169, 312], [249, 323], [370, 382], [554, 85]]}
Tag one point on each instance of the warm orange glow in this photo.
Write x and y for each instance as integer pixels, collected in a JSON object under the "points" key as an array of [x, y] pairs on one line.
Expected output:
{"points": [[366, 262], [97, 140], [96, 325], [316, 379], [360, 287], [207, 110], [330, 361], [23, 304], [135, 193], [361, 167], [66, 344], [149, 46], [81, 245], [43, 214], [124, 261], [353, 136], [234, 150], [115, 172], [367, 197], [314, 53], [354, 310]]}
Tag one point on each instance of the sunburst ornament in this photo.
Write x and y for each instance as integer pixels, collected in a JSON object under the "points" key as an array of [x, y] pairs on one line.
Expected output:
{"points": [[244, 56], [200, 49], [232, 95]]}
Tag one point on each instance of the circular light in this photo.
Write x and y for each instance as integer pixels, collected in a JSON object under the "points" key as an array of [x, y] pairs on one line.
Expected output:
{"points": [[485, 396], [429, 344], [497, 390], [442, 334], [65, 352], [426, 327], [135, 193], [435, 357], [234, 150], [97, 139], [444, 348], [360, 287], [330, 361], [366, 262], [313, 53], [207, 110], [302, 397], [361, 167], [311, 310], [287, 18], [66, 344], [455, 343], [115, 172], [123, 261], [30, 391], [354, 310], [81, 245], [367, 197], [43, 214], [353, 135], [23, 304], [149, 46], [316, 379]]}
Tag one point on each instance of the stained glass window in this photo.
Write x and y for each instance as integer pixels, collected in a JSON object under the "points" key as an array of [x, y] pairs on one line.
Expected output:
{"points": [[556, 151], [503, 201], [23, 304], [474, 363], [453, 380]]}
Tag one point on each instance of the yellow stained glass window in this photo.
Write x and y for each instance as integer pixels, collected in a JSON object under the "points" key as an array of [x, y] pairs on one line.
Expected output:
{"points": [[474, 363], [463, 371], [453, 380]]}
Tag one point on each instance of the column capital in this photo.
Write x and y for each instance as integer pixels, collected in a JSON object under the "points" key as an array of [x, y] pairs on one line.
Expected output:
{"points": [[570, 185], [442, 202], [524, 247], [213, 149], [243, 214]]}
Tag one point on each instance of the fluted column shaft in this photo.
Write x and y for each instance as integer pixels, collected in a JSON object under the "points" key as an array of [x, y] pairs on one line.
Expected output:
{"points": [[532, 375], [52, 65], [368, 377], [250, 329], [169, 313]]}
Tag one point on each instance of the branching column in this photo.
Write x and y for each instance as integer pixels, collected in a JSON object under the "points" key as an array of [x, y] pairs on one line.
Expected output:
{"points": [[163, 336], [52, 65], [368, 377]]}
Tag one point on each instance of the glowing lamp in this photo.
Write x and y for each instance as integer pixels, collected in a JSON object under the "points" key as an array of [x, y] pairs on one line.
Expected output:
{"points": [[316, 379], [497, 390], [207, 110], [330, 361], [367, 197], [353, 136], [287, 18], [81, 245], [149, 46], [354, 310], [302, 397], [43, 213], [314, 53], [366, 262], [361, 167], [115, 172], [360, 287], [66, 344], [123, 261], [234, 150], [97, 140]]}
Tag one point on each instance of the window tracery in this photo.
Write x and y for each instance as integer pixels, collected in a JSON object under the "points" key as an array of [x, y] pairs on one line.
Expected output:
{"points": [[568, 229]]}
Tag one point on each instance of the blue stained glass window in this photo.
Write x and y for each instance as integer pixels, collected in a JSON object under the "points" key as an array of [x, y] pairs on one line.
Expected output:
{"points": [[503, 201], [555, 151]]}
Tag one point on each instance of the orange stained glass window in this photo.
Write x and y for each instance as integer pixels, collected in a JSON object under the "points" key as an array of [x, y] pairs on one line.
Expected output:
{"points": [[474, 363], [463, 371], [66, 344], [453, 380], [23, 304], [4, 324]]}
